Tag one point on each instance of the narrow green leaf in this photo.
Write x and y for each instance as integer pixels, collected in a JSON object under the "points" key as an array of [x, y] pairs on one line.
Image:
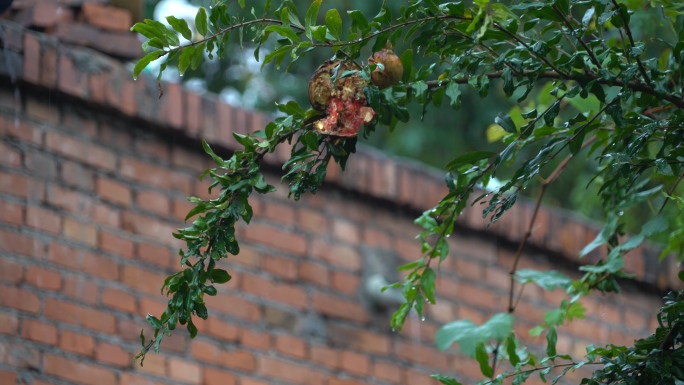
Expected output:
{"points": [[312, 16], [181, 26], [445, 380], [201, 21], [334, 23], [217, 159], [154, 321], [608, 229], [284, 32], [469, 158], [185, 58], [192, 329], [551, 339], [483, 359], [510, 349], [407, 62], [427, 284], [144, 62], [547, 280]]}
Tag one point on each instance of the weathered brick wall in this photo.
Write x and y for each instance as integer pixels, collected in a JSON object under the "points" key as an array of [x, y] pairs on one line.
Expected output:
{"points": [[93, 178]]}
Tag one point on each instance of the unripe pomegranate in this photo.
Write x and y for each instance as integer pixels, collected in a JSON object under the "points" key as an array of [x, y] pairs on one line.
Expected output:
{"points": [[393, 71]]}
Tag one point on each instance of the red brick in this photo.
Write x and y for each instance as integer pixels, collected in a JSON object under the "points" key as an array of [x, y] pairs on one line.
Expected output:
{"points": [[117, 299], [113, 191], [19, 299], [14, 184], [115, 244], [276, 238], [376, 238], [80, 289], [345, 283], [252, 381], [8, 378], [184, 371], [291, 346], [32, 58], [314, 273], [11, 271], [79, 315], [346, 231], [360, 339], [107, 17], [218, 377], [9, 324], [154, 202], [9, 156], [222, 330], [20, 244], [80, 232], [160, 256], [42, 219], [345, 381], [70, 80], [408, 249], [338, 255], [142, 280], [106, 215], [192, 118], [113, 355], [150, 306], [278, 212], [39, 331], [280, 267], [43, 278], [188, 159], [289, 372], [171, 108], [132, 379], [76, 343], [355, 363], [258, 340], [159, 176], [89, 153], [413, 352], [67, 199], [387, 371], [236, 359], [233, 305], [154, 364], [339, 308], [146, 226], [325, 356], [83, 261], [312, 221], [77, 372], [285, 293]]}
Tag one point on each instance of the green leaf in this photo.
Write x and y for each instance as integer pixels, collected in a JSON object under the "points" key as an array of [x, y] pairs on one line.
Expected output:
{"points": [[427, 284], [311, 17], [407, 62], [547, 280], [144, 62], [469, 158], [483, 359], [510, 349], [467, 334], [181, 26], [154, 321], [551, 340], [201, 21], [445, 380], [185, 58], [608, 230], [285, 32], [453, 91], [680, 275], [505, 121], [217, 159], [334, 23], [192, 329], [219, 276]]}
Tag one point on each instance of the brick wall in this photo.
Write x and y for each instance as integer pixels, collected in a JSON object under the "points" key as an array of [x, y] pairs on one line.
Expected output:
{"points": [[93, 178]]}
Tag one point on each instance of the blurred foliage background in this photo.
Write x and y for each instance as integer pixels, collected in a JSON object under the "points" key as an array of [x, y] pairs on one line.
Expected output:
{"points": [[440, 134]]}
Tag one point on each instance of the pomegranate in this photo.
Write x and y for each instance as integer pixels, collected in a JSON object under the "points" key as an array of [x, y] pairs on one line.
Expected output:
{"points": [[344, 103], [393, 70]]}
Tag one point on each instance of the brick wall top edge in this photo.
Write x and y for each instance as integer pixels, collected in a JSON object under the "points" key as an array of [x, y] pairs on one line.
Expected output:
{"points": [[89, 75]]}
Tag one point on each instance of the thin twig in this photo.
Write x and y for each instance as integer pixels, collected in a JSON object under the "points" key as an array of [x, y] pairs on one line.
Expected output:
{"points": [[631, 41], [667, 198], [572, 31]]}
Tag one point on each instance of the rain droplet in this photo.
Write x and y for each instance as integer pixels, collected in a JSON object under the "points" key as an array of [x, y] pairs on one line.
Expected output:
{"points": [[422, 318], [448, 235]]}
